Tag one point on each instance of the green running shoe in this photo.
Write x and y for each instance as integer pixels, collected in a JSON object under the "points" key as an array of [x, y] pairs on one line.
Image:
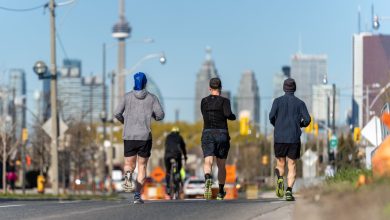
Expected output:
{"points": [[280, 187], [289, 196], [207, 189], [221, 195]]}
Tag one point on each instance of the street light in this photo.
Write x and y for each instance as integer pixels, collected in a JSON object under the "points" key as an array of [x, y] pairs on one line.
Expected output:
{"points": [[161, 56]]}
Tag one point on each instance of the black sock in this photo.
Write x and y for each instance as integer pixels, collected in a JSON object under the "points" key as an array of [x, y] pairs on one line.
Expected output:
{"points": [[289, 189], [221, 188], [207, 176], [277, 173]]}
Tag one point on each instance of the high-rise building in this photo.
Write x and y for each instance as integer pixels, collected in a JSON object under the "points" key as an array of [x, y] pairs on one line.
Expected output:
{"points": [[79, 98], [92, 88], [371, 65], [278, 81], [248, 97], [17, 87], [323, 103], [308, 70], [70, 93], [207, 71]]}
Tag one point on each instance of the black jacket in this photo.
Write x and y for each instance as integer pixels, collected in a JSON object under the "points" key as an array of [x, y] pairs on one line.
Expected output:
{"points": [[216, 110], [288, 115], [175, 146]]}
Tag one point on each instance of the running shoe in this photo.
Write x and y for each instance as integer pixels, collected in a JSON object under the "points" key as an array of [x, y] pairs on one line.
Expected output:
{"points": [[221, 195], [127, 184], [289, 196], [207, 189], [137, 198], [279, 184]]}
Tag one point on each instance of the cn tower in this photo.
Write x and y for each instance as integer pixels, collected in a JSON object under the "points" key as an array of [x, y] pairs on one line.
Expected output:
{"points": [[121, 31]]}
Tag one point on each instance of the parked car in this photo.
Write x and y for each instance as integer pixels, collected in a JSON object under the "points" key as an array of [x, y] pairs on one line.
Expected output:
{"points": [[193, 187]]}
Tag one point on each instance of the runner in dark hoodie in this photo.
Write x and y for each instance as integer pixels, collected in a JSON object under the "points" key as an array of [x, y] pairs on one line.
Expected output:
{"points": [[136, 111], [288, 115]]}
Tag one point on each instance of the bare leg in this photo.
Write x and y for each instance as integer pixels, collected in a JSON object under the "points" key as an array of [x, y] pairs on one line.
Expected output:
{"points": [[291, 172], [280, 164], [130, 163], [208, 164], [221, 170], [142, 164]]}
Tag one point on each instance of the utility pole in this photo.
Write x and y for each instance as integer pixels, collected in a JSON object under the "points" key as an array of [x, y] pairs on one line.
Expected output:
{"points": [[367, 104], [334, 109], [110, 149], [53, 99], [4, 96]]}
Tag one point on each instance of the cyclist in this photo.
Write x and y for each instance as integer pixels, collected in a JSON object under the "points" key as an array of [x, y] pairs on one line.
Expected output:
{"points": [[135, 111], [216, 110], [175, 148], [288, 115]]}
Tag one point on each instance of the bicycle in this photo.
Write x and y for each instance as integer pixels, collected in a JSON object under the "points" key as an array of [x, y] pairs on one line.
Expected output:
{"points": [[174, 181]]}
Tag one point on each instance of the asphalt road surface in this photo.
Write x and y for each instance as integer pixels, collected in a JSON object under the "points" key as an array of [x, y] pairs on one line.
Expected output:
{"points": [[122, 209]]}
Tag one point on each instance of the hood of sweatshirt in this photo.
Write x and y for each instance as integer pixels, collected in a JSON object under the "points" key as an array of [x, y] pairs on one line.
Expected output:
{"points": [[140, 94]]}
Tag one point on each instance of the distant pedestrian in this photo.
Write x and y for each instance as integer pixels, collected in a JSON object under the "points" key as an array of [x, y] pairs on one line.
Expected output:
{"points": [[11, 176], [135, 111], [288, 115], [216, 110]]}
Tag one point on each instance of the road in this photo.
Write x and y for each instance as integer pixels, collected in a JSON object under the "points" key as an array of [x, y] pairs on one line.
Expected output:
{"points": [[260, 209]]}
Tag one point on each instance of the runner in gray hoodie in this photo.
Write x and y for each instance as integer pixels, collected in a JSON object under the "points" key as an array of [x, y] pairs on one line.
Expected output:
{"points": [[136, 111]]}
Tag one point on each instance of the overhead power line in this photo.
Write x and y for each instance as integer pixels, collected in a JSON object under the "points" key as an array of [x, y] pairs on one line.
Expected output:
{"points": [[24, 9]]}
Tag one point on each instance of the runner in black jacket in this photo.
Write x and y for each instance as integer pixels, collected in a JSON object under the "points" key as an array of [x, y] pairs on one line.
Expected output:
{"points": [[288, 115]]}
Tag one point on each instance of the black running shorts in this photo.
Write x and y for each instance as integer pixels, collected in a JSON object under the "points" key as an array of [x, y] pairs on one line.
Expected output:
{"points": [[136, 147], [215, 142], [292, 151]]}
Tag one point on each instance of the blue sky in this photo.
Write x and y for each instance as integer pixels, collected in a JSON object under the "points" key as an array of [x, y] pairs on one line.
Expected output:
{"points": [[247, 34]]}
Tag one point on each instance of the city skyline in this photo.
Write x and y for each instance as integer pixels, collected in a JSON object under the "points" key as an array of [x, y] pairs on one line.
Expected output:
{"points": [[259, 39]]}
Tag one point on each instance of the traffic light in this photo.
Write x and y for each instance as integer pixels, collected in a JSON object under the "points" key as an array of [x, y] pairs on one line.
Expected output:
{"points": [[244, 126], [356, 134], [309, 128], [264, 159]]}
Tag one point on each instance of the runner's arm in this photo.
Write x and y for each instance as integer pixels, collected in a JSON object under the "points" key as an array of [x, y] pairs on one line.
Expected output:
{"points": [[227, 110], [158, 112], [119, 111], [273, 112], [305, 116]]}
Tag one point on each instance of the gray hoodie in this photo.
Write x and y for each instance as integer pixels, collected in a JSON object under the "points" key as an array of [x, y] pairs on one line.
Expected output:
{"points": [[136, 111]]}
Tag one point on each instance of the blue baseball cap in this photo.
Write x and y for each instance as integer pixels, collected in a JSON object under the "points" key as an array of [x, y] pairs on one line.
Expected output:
{"points": [[140, 81]]}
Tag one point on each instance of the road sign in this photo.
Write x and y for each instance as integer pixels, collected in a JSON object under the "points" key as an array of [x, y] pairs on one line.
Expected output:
{"points": [[63, 128], [24, 134], [333, 142], [373, 131], [158, 174]]}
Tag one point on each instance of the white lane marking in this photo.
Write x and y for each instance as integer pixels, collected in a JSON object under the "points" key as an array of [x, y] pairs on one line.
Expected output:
{"points": [[6, 206], [194, 199], [69, 202]]}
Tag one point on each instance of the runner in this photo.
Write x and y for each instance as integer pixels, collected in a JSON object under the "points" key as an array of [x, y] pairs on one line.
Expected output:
{"points": [[288, 115], [175, 148], [136, 111], [215, 137]]}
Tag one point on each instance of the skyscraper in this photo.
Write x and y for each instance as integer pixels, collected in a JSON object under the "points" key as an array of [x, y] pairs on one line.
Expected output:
{"points": [[18, 92], [92, 88], [79, 98], [70, 93], [308, 70], [248, 97], [321, 94], [371, 65], [207, 71]]}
